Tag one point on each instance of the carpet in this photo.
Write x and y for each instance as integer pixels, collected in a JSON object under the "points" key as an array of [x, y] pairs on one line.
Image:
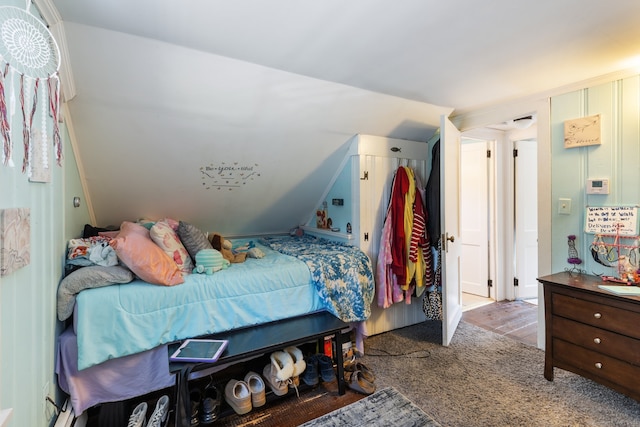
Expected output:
{"points": [[384, 408], [485, 379]]}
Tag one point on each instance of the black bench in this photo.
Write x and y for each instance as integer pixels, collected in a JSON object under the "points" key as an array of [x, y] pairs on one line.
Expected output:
{"points": [[245, 343]]}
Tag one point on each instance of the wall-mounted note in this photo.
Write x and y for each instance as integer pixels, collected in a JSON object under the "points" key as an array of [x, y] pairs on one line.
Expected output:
{"points": [[582, 132], [622, 220]]}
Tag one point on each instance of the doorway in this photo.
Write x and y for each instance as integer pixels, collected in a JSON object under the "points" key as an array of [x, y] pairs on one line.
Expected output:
{"points": [[498, 216]]}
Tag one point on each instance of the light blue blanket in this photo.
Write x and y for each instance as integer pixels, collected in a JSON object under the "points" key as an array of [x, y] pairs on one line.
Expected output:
{"points": [[119, 320]]}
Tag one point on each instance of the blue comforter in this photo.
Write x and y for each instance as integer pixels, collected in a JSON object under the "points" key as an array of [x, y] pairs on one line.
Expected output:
{"points": [[341, 274]]}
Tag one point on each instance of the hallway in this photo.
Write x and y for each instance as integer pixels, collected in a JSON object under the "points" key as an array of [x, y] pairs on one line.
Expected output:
{"points": [[514, 319]]}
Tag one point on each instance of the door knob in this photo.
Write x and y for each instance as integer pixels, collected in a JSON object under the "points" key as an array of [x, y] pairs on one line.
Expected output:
{"points": [[446, 239]]}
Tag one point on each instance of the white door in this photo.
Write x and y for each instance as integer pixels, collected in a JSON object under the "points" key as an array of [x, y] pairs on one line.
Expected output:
{"points": [[450, 226], [474, 217], [526, 214]]}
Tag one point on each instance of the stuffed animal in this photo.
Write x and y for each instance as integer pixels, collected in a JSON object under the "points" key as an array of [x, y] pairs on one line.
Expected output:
{"points": [[208, 261], [225, 247], [250, 249]]}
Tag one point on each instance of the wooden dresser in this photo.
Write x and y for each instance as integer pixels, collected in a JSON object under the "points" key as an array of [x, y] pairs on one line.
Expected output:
{"points": [[592, 332]]}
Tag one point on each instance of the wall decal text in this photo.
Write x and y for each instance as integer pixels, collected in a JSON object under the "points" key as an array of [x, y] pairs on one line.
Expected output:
{"points": [[228, 176]]}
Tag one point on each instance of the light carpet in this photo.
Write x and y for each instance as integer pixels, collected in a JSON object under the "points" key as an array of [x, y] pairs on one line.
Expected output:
{"points": [[384, 408], [485, 379]]}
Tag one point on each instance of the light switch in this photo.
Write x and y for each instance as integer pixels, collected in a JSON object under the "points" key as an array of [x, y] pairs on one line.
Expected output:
{"points": [[564, 206]]}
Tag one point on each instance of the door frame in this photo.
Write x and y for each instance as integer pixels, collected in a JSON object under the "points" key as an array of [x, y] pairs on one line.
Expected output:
{"points": [[542, 108]]}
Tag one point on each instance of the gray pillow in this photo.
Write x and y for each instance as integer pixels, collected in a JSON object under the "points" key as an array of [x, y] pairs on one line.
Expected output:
{"points": [[87, 278], [193, 239]]}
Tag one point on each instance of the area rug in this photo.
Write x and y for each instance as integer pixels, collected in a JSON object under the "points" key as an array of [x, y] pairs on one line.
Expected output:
{"points": [[384, 408], [485, 379]]}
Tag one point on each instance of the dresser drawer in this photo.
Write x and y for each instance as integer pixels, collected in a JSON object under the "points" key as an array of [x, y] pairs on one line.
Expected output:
{"points": [[596, 364], [596, 339], [600, 315]]}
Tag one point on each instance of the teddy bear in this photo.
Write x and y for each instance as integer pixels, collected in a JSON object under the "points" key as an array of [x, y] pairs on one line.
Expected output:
{"points": [[208, 261], [225, 247]]}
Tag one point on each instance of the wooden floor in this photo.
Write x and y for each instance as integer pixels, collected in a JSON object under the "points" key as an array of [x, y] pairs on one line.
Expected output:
{"points": [[514, 319]]}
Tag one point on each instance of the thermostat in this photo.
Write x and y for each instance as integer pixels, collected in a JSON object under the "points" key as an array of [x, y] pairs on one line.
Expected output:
{"points": [[597, 186]]}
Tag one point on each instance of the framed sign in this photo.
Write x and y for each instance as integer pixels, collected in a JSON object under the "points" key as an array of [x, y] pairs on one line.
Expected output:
{"points": [[582, 132]]}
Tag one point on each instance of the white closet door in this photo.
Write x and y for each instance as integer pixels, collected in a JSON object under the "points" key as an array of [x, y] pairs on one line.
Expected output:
{"points": [[474, 216], [526, 219], [450, 218]]}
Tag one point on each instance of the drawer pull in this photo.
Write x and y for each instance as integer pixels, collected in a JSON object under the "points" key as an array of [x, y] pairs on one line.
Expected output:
{"points": [[599, 365], [597, 315], [597, 340]]}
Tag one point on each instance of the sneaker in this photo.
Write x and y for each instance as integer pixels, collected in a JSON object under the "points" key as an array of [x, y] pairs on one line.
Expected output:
{"points": [[159, 414], [325, 365], [299, 365], [257, 389], [238, 396], [137, 418], [195, 398], [310, 374], [211, 402]]}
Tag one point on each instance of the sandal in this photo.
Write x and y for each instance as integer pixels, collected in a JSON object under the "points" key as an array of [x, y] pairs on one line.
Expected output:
{"points": [[355, 380], [353, 365]]}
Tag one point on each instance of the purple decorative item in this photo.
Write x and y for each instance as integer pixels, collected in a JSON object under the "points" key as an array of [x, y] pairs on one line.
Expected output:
{"points": [[573, 259]]}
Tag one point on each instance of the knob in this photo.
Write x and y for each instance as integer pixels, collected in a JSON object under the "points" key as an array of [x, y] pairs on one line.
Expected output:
{"points": [[599, 365], [597, 340], [597, 315], [451, 239]]}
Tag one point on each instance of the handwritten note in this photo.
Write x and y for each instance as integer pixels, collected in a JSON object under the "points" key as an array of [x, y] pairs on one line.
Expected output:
{"points": [[582, 132], [622, 220]]}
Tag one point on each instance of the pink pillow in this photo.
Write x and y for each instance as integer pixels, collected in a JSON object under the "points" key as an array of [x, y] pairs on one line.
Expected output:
{"points": [[163, 235], [136, 250]]}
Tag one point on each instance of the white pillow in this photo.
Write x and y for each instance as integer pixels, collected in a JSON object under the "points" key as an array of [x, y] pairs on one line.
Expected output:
{"points": [[164, 236]]}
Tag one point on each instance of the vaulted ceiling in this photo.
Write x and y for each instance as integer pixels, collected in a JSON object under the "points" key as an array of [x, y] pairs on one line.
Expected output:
{"points": [[169, 93]]}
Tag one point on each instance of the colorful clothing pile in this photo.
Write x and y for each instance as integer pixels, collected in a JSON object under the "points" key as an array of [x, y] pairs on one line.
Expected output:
{"points": [[405, 261]]}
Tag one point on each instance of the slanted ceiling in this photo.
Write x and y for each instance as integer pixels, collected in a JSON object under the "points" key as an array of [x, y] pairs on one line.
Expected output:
{"points": [[234, 115]]}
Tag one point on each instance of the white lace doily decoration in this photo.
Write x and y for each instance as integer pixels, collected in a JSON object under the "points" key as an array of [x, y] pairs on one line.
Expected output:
{"points": [[27, 45]]}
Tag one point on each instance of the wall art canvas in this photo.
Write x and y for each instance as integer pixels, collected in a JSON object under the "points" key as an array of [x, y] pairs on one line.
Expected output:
{"points": [[15, 239], [582, 132]]}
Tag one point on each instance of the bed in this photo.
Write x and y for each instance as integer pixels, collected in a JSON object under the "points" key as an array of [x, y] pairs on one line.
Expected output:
{"points": [[116, 345]]}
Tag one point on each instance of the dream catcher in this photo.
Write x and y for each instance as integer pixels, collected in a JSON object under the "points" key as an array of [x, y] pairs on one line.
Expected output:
{"points": [[29, 59]]}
